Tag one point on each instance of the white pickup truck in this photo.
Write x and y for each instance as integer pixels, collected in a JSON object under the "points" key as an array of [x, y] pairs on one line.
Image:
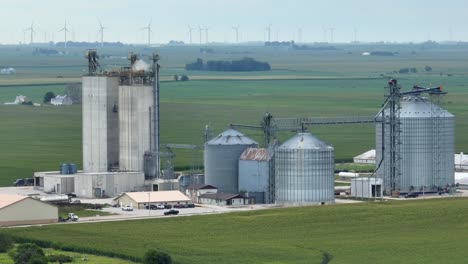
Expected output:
{"points": [[127, 208]]}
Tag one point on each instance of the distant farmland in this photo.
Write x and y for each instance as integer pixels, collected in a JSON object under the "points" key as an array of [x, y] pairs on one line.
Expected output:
{"points": [[301, 84]]}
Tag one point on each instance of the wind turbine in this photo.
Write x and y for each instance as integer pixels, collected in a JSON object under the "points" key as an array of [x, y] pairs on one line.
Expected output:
{"points": [[190, 29], [268, 28], [206, 34], [148, 27], [331, 34], [101, 31], [200, 29], [299, 34], [65, 30], [31, 29], [237, 33]]}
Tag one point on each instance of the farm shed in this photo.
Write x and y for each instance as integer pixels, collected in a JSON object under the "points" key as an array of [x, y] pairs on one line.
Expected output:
{"points": [[366, 187], [223, 199], [24, 210], [59, 184], [195, 190], [367, 157], [141, 199]]}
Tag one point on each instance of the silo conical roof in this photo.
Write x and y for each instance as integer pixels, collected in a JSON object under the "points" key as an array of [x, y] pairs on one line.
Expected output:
{"points": [[304, 140], [231, 137], [419, 106]]}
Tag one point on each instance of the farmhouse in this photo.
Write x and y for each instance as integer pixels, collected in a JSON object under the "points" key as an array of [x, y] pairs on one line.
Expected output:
{"points": [[61, 100], [141, 199], [24, 210]]}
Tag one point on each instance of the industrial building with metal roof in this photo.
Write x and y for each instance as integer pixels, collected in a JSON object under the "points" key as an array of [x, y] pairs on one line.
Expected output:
{"points": [[141, 199], [223, 199], [24, 210]]}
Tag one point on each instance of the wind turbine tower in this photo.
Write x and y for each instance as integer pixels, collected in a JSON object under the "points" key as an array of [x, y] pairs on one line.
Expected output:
{"points": [[65, 30], [237, 33], [331, 34], [269, 32], [101, 31], [200, 30], [31, 30], [206, 34], [148, 28], [190, 30], [299, 34]]}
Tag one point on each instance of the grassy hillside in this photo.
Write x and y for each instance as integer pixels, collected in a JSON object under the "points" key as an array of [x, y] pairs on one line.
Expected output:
{"points": [[424, 231]]}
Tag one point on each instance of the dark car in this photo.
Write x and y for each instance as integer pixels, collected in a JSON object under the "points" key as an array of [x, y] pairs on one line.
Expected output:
{"points": [[151, 207], [411, 195], [171, 212], [190, 205], [19, 182], [179, 206], [167, 206]]}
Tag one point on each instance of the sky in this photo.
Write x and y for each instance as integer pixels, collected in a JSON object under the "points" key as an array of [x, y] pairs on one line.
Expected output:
{"points": [[362, 20]]}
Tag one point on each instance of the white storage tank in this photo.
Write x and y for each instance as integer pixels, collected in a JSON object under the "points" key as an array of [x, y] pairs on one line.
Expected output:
{"points": [[221, 159], [304, 171]]}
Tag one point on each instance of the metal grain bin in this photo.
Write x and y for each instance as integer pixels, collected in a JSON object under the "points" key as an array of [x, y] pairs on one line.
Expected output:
{"points": [[427, 147], [304, 171], [221, 159]]}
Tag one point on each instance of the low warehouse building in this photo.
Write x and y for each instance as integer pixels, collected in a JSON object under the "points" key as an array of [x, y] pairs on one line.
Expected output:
{"points": [[141, 199], [367, 157], [223, 199], [108, 184], [194, 191], [366, 187], [59, 184], [24, 210]]}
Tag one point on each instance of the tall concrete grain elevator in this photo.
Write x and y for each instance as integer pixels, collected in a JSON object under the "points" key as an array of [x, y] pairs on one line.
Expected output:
{"points": [[100, 119]]}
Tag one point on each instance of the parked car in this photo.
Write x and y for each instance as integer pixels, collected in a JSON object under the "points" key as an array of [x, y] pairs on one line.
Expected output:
{"points": [[75, 201], [167, 206], [151, 207], [190, 205], [127, 208], [171, 212], [179, 206], [19, 182], [160, 206], [411, 195]]}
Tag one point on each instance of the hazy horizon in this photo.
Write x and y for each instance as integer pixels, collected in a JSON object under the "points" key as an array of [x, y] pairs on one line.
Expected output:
{"points": [[361, 20]]}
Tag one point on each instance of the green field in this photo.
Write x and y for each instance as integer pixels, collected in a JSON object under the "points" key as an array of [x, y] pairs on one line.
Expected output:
{"points": [[301, 84], [77, 258], [423, 231]]}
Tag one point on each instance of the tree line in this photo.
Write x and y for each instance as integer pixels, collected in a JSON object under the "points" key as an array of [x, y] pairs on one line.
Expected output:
{"points": [[243, 65]]}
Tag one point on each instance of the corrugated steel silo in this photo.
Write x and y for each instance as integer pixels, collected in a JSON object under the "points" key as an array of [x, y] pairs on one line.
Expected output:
{"points": [[254, 174], [426, 146], [221, 159], [304, 171]]}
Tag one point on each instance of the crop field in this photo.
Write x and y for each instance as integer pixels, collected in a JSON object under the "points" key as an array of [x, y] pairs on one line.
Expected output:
{"points": [[422, 231], [301, 84], [77, 258]]}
